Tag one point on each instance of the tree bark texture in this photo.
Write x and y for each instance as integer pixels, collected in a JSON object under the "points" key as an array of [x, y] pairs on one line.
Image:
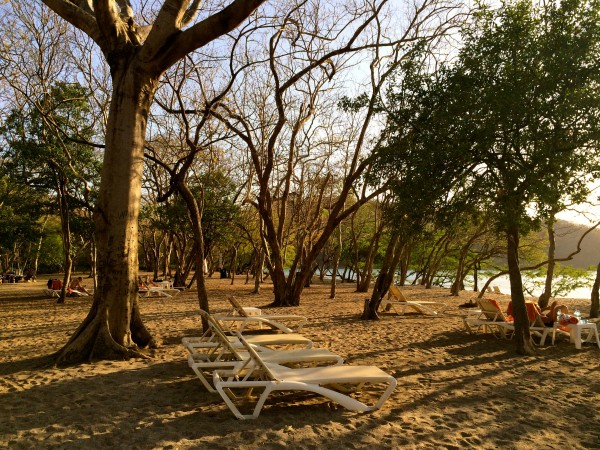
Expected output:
{"points": [[137, 56], [195, 212], [545, 297], [595, 306], [117, 324], [522, 336], [367, 275], [384, 279]]}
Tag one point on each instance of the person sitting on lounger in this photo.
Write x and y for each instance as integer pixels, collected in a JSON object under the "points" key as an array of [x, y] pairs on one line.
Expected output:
{"points": [[146, 283], [141, 283], [550, 313], [76, 288]]}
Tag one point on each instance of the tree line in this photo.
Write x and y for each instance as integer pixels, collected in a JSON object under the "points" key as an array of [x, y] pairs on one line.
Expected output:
{"points": [[292, 139]]}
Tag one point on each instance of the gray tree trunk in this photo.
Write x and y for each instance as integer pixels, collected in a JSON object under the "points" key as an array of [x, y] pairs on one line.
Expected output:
{"points": [[113, 324]]}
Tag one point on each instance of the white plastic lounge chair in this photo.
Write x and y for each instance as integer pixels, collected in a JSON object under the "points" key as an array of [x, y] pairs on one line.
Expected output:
{"points": [[490, 319], [51, 293], [256, 374], [240, 319], [225, 355], [158, 291], [396, 301], [495, 321], [272, 341], [537, 327]]}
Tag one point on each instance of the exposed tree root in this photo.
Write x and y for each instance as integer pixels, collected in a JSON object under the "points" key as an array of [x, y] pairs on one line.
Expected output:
{"points": [[93, 341], [139, 333], [370, 310], [525, 347]]}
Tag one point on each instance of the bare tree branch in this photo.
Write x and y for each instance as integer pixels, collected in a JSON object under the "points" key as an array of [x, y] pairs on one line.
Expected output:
{"points": [[199, 34], [78, 17]]}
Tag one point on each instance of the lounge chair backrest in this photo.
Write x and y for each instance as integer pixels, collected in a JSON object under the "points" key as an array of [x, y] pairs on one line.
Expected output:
{"points": [[533, 312], [219, 337], [237, 307], [255, 358], [491, 310], [394, 291]]}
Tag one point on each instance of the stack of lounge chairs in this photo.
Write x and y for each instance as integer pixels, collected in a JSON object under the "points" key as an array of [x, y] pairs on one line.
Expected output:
{"points": [[244, 366], [240, 319]]}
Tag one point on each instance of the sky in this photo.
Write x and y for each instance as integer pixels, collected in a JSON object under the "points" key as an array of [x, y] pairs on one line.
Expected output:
{"points": [[585, 214]]}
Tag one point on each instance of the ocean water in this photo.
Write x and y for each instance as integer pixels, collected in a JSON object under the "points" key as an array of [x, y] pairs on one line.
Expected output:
{"points": [[503, 284]]}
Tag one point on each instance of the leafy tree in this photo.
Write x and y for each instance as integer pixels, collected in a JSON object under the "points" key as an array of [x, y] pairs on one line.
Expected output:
{"points": [[566, 279], [138, 54], [45, 153], [413, 160], [525, 101], [21, 212], [532, 106], [515, 114], [220, 213]]}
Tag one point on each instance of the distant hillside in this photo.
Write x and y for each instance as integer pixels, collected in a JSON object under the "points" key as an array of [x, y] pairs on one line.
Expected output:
{"points": [[567, 235]]}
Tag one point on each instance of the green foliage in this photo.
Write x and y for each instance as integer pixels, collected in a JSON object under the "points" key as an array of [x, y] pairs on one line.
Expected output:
{"points": [[528, 82], [508, 132], [566, 279], [220, 213], [51, 252], [511, 126], [44, 159], [42, 141]]}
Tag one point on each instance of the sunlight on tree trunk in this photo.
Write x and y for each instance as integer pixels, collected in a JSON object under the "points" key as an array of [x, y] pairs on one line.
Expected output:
{"points": [[522, 336]]}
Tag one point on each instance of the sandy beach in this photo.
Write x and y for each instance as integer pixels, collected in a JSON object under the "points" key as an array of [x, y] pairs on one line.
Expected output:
{"points": [[455, 390]]}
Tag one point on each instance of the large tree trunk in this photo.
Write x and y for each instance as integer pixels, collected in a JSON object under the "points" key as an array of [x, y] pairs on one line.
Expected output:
{"points": [[94, 262], [367, 275], [595, 295], [384, 279], [522, 335], [545, 297], [66, 237], [459, 277], [275, 260], [114, 324], [336, 263], [195, 212]]}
